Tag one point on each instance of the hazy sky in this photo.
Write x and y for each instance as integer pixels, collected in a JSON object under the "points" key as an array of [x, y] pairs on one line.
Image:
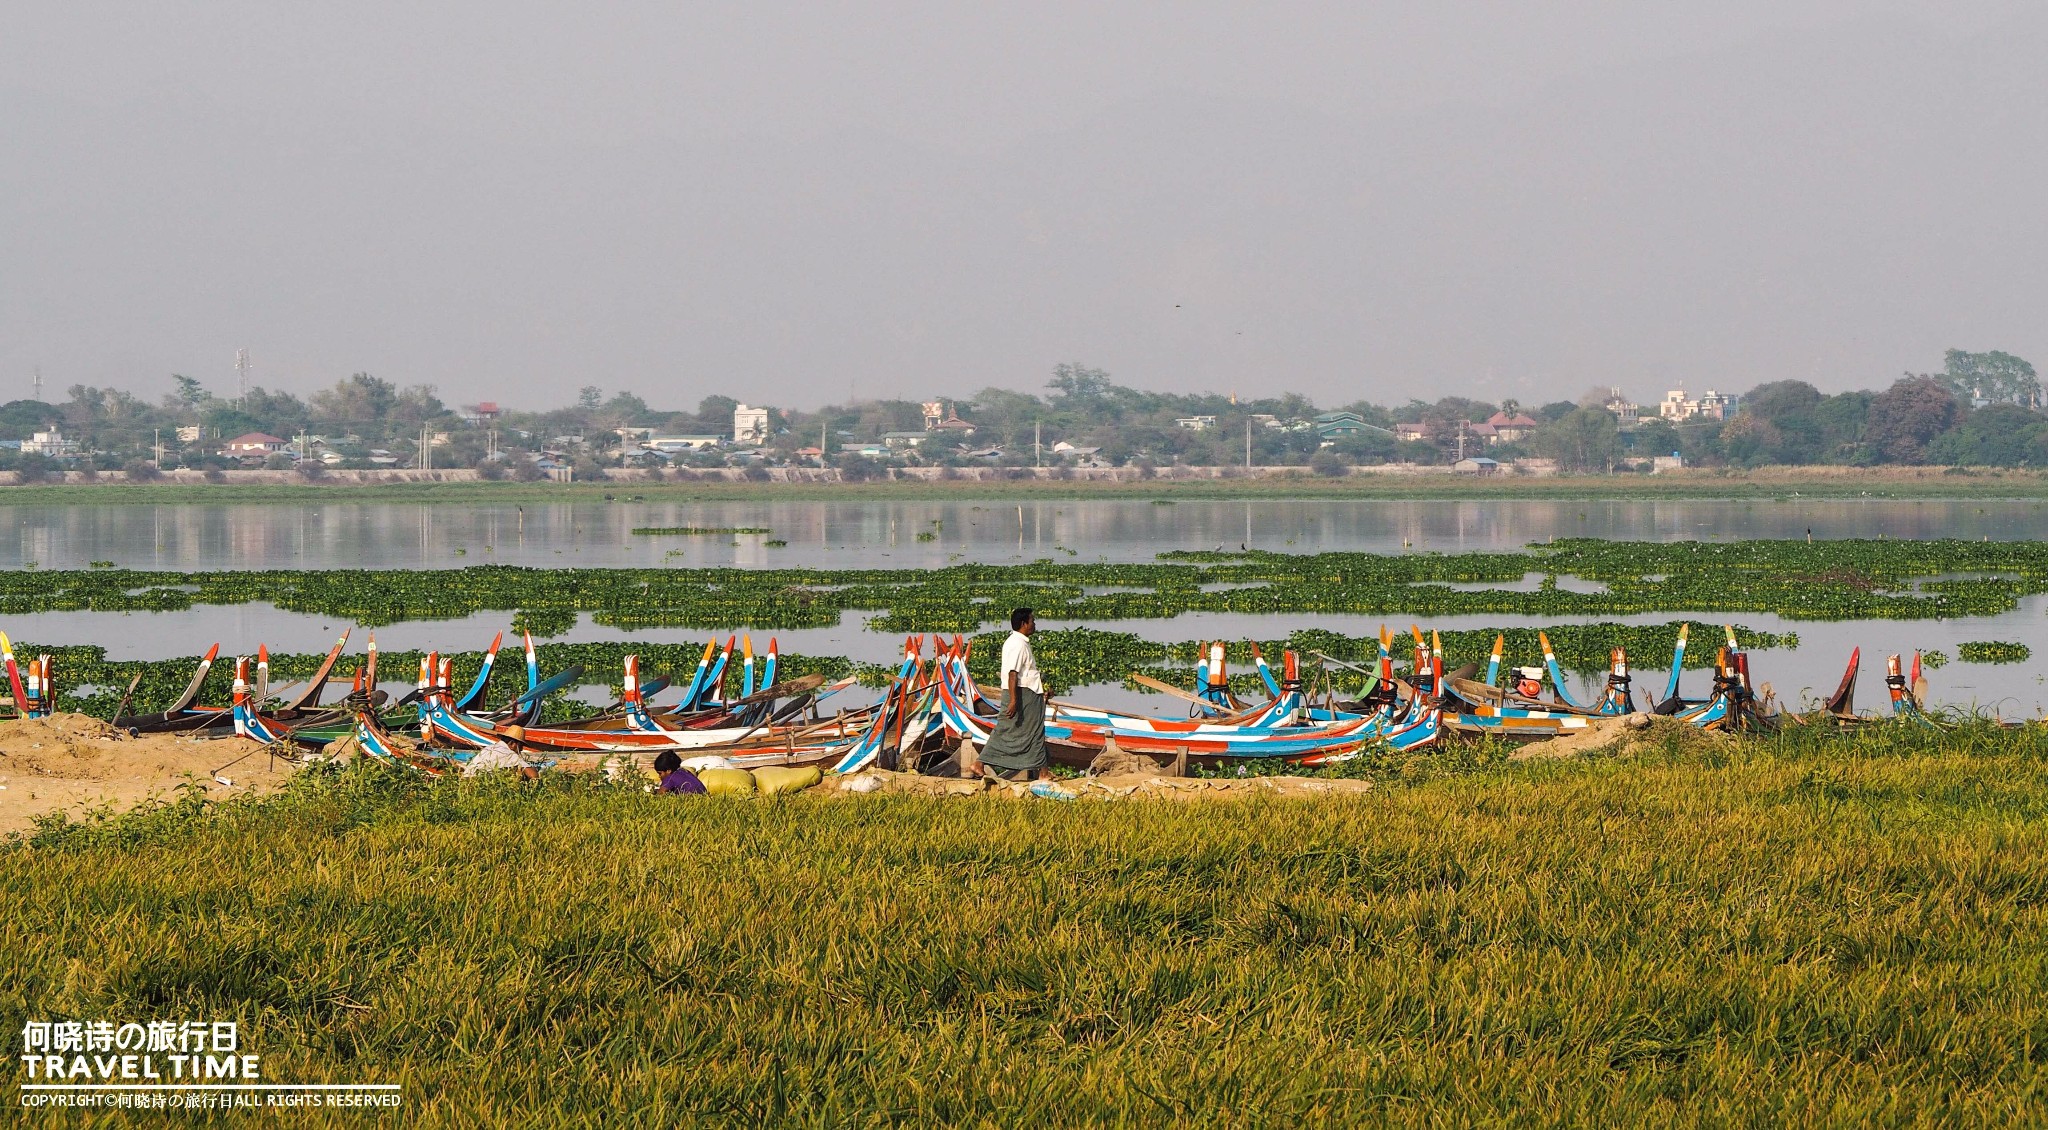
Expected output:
{"points": [[792, 205]]}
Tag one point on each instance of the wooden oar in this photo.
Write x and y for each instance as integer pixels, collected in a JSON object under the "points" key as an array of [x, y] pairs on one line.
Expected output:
{"points": [[802, 685], [1169, 689], [121, 711]]}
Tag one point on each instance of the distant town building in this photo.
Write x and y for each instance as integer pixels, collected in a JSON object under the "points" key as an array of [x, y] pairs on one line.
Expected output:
{"points": [[191, 434], [1337, 425], [51, 443], [1196, 423], [1264, 419], [1476, 466], [670, 444], [1503, 428], [252, 443], [1626, 412], [902, 440], [749, 425], [1712, 406]]}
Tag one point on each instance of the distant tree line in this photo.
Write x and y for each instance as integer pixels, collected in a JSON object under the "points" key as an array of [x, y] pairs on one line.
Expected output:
{"points": [[1982, 409]]}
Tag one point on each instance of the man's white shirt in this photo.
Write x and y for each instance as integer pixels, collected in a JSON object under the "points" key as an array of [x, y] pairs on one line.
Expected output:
{"points": [[1018, 657]]}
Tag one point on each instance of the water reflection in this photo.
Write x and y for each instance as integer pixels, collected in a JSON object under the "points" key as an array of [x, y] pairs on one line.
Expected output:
{"points": [[886, 534]]}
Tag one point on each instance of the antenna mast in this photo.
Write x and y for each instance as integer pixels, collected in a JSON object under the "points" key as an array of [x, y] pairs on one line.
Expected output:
{"points": [[241, 375], [39, 382]]}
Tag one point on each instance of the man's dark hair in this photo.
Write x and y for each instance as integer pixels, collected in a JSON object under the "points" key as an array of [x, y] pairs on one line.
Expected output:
{"points": [[1019, 618], [667, 762]]}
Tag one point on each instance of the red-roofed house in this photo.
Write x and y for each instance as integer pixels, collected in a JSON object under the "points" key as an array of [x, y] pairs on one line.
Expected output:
{"points": [[254, 443], [1503, 428]]}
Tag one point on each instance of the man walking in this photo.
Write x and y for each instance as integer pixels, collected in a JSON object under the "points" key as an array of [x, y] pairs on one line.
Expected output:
{"points": [[1017, 745]]}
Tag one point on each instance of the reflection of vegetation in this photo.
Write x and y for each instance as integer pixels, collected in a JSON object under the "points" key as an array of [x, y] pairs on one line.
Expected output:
{"points": [[1770, 485], [1841, 580], [1673, 935], [1994, 651], [700, 530]]}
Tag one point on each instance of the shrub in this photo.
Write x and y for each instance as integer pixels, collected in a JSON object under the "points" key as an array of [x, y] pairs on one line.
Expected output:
{"points": [[527, 471], [755, 473], [1329, 464], [490, 470], [142, 471], [36, 468], [216, 475], [312, 470]]}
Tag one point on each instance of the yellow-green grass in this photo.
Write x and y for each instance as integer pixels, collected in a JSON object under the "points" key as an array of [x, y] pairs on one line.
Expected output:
{"points": [[1792, 931]]}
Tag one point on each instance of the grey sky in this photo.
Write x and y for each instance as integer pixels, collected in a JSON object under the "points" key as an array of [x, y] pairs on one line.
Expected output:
{"points": [[790, 205]]}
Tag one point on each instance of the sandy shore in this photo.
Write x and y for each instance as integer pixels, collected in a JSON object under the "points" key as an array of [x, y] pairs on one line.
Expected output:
{"points": [[73, 763]]}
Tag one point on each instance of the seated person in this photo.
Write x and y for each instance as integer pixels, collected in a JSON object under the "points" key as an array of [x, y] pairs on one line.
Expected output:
{"points": [[675, 778]]}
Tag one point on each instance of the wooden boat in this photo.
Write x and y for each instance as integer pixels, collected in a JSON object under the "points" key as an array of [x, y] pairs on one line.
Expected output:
{"points": [[182, 716], [1079, 739], [33, 684]]}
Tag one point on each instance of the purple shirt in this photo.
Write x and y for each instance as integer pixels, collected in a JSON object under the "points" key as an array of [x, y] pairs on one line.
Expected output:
{"points": [[681, 781]]}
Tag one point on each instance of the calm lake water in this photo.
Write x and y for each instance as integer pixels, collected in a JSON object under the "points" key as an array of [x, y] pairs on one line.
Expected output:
{"points": [[884, 534]]}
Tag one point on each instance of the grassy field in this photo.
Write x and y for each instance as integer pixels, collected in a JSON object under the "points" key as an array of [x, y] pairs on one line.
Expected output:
{"points": [[1763, 483], [1791, 931]]}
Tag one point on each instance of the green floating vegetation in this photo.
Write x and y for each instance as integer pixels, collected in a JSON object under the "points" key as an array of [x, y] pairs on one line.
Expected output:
{"points": [[1826, 927], [698, 531], [1993, 651], [1934, 658], [1797, 580]]}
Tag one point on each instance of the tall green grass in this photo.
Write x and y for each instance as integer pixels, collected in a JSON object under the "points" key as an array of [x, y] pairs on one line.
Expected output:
{"points": [[1805, 929]]}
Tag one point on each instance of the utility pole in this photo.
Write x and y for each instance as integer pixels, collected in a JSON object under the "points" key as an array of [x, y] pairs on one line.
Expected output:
{"points": [[241, 375], [1461, 441], [39, 383], [1247, 442], [157, 448], [1037, 447], [426, 451]]}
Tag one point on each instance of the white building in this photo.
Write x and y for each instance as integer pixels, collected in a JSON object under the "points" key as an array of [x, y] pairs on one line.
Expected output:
{"points": [[51, 443], [670, 444], [1196, 423], [749, 425], [1626, 412], [1712, 406]]}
